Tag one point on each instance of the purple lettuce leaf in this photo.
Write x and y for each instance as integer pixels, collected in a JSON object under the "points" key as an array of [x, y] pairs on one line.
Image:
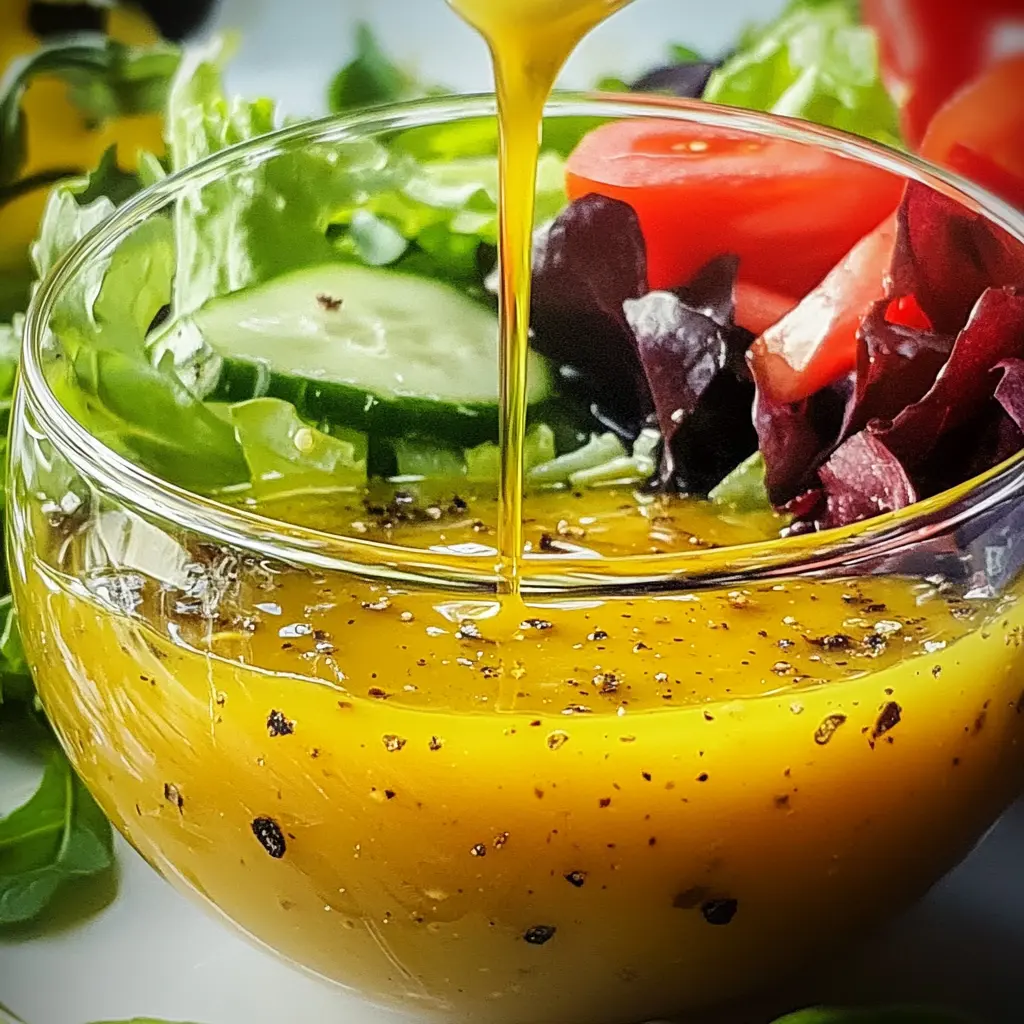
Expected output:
{"points": [[795, 439], [966, 383], [692, 353], [675, 357], [589, 261], [896, 366], [922, 399], [688, 80], [947, 255], [862, 479]]}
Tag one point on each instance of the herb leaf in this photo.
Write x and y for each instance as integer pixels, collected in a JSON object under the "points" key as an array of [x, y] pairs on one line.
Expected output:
{"points": [[372, 78], [57, 836], [106, 78], [894, 1015]]}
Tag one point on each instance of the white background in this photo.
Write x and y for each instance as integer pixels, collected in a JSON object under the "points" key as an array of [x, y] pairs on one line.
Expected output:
{"points": [[150, 952]]}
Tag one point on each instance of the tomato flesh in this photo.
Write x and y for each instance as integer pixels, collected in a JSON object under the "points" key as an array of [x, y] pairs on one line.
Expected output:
{"points": [[980, 132], [758, 308], [789, 211], [931, 48], [817, 342]]}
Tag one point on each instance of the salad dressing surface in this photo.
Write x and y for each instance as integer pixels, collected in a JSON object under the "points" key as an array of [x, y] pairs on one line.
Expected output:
{"points": [[530, 41]]}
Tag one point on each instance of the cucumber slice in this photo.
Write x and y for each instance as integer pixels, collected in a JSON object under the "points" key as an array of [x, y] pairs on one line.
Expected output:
{"points": [[380, 351]]}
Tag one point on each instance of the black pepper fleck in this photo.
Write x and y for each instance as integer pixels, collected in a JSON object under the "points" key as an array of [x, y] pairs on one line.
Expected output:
{"points": [[392, 743], [270, 836], [828, 728], [719, 912], [576, 878], [832, 641], [890, 716], [173, 796], [540, 624], [539, 934], [278, 725]]}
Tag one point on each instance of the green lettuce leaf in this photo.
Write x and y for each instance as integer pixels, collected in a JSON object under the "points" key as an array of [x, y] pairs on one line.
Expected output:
{"points": [[815, 62], [744, 490], [135, 406], [420, 459], [437, 221], [73, 209], [287, 455], [602, 462], [57, 837], [258, 222], [15, 682]]}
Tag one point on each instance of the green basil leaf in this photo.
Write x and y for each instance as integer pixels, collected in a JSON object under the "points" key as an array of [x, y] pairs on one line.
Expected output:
{"points": [[57, 837], [106, 79], [372, 78]]}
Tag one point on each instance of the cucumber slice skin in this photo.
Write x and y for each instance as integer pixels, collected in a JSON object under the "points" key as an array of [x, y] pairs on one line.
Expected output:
{"points": [[330, 403], [345, 405]]}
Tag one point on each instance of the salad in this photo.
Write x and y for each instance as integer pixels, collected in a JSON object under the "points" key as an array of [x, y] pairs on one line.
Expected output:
{"points": [[877, 376]]}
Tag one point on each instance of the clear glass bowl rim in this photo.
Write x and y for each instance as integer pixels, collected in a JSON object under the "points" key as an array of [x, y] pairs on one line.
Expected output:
{"points": [[741, 565]]}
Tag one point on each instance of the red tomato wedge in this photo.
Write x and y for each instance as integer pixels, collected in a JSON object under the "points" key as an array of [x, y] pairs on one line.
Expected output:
{"points": [[817, 342], [932, 48], [980, 132], [757, 308], [789, 211]]}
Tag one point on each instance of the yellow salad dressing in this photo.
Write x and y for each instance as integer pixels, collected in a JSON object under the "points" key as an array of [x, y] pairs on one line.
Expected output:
{"points": [[530, 41], [688, 794]]}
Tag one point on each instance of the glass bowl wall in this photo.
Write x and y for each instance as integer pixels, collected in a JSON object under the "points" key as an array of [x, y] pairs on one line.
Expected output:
{"points": [[276, 716]]}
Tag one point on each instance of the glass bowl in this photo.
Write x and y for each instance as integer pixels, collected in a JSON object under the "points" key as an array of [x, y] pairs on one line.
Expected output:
{"points": [[315, 735]]}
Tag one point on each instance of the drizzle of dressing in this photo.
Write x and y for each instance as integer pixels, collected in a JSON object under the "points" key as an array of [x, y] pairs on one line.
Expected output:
{"points": [[530, 41]]}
